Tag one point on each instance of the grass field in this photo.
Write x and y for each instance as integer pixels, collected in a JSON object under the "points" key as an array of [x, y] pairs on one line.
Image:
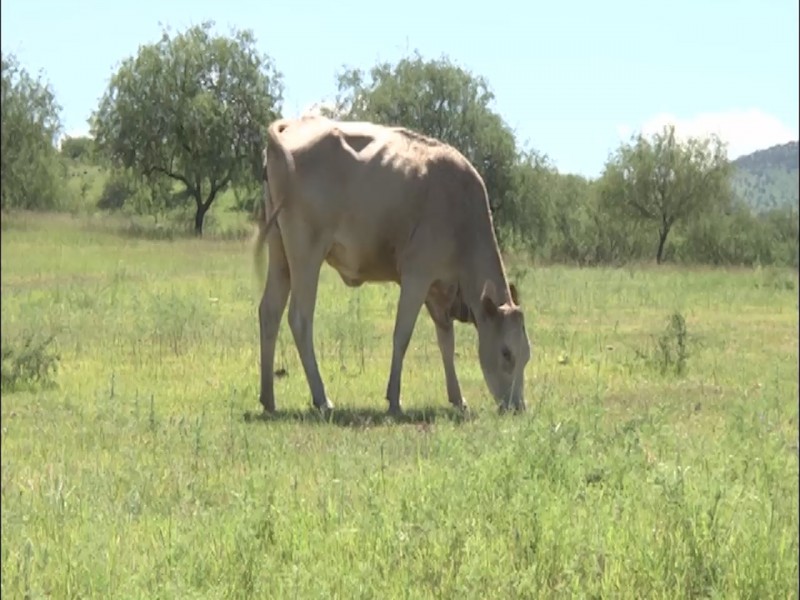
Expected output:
{"points": [[642, 469]]}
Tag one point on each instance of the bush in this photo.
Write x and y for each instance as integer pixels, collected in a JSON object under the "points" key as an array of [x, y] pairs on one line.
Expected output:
{"points": [[28, 363], [740, 237], [121, 189], [668, 352], [78, 148]]}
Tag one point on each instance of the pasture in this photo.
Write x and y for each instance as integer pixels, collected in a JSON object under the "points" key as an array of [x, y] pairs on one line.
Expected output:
{"points": [[658, 457]]}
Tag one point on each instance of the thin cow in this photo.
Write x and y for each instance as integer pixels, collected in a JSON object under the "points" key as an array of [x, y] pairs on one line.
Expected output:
{"points": [[383, 204]]}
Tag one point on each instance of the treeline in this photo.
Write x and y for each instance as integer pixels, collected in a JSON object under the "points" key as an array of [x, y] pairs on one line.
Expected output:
{"points": [[185, 119]]}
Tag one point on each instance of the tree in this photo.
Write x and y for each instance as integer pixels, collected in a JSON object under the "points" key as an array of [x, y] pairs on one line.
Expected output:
{"points": [[663, 181], [441, 100], [193, 108], [79, 148], [29, 175], [527, 210]]}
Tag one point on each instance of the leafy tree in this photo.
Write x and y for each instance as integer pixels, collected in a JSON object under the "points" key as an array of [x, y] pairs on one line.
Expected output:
{"points": [[731, 237], [664, 182], [29, 169], [583, 232], [441, 100], [193, 108], [80, 148], [527, 211], [784, 224], [569, 219]]}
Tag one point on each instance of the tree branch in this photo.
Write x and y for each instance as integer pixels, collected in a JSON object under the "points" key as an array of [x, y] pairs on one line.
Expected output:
{"points": [[645, 212], [216, 187], [171, 174]]}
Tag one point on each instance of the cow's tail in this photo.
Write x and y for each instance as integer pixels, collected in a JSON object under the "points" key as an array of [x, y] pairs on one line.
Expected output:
{"points": [[283, 173]]}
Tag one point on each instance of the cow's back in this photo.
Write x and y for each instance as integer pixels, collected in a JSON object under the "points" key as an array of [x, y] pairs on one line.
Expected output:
{"points": [[371, 189]]}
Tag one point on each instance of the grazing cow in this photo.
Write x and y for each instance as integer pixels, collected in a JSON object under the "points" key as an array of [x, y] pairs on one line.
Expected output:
{"points": [[384, 204]]}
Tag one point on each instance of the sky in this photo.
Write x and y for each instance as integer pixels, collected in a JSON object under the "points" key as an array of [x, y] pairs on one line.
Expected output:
{"points": [[572, 79]]}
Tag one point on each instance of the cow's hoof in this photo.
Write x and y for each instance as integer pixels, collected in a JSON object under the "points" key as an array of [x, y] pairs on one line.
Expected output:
{"points": [[461, 405], [513, 409], [268, 404], [395, 411], [324, 407]]}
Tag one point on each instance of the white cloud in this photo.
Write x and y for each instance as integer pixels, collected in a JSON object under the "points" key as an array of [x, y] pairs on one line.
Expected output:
{"points": [[745, 131]]}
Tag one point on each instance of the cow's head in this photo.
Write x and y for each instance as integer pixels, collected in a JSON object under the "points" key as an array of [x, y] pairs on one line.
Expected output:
{"points": [[503, 347]]}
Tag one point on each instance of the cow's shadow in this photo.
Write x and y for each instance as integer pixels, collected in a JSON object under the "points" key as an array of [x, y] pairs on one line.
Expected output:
{"points": [[363, 417]]}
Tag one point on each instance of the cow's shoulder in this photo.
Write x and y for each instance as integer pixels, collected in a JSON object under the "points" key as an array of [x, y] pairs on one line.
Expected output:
{"points": [[305, 132]]}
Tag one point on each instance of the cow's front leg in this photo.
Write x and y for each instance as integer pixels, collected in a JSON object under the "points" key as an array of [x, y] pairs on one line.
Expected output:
{"points": [[446, 340], [412, 295]]}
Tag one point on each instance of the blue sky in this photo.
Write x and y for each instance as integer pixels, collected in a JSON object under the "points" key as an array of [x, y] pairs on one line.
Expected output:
{"points": [[572, 79]]}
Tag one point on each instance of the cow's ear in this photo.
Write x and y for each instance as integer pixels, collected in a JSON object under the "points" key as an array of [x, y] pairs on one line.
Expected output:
{"points": [[514, 294], [487, 299]]}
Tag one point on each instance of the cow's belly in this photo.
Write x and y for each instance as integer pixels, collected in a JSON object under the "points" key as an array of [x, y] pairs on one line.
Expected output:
{"points": [[357, 264]]}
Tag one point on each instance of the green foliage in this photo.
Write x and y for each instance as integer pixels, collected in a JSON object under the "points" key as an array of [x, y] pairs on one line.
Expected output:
{"points": [[775, 278], [668, 352], [672, 351], [29, 168], [192, 108], [584, 233], [663, 181], [80, 149], [740, 237], [246, 197], [123, 188], [28, 362], [440, 99], [526, 214]]}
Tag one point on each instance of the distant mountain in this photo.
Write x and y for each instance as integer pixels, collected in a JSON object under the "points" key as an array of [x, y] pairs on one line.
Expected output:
{"points": [[768, 178]]}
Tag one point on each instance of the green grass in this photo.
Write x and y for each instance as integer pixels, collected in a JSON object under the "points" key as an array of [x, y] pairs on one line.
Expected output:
{"points": [[136, 474]]}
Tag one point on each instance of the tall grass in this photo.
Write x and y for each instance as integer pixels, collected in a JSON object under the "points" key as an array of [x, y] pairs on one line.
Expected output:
{"points": [[136, 475]]}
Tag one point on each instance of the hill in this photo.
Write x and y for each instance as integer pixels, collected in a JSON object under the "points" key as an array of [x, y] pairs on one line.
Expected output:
{"points": [[768, 178]]}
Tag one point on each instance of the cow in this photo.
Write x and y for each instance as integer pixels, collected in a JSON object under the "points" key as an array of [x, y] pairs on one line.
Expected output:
{"points": [[384, 204]]}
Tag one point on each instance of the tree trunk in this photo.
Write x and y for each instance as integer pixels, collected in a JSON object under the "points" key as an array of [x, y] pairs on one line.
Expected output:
{"points": [[202, 209], [662, 238]]}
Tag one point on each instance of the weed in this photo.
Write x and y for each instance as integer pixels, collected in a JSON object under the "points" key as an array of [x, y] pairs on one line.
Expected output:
{"points": [[775, 279], [668, 353], [672, 352], [28, 362]]}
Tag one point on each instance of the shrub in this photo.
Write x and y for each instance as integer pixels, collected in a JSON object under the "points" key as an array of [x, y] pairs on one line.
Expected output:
{"points": [[28, 362]]}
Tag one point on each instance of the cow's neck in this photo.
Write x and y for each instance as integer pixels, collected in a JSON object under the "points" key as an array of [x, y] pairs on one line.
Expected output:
{"points": [[484, 264]]}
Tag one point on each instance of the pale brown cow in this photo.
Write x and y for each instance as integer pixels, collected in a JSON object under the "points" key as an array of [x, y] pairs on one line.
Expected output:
{"points": [[385, 204]]}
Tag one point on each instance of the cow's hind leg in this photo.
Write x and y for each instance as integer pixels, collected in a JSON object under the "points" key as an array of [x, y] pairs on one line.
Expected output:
{"points": [[305, 261], [446, 340], [412, 296], [270, 312]]}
